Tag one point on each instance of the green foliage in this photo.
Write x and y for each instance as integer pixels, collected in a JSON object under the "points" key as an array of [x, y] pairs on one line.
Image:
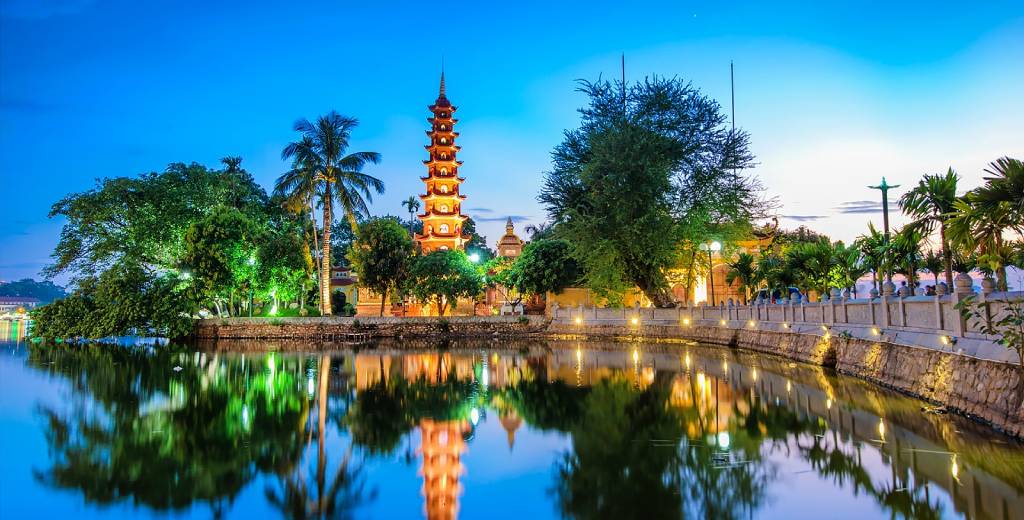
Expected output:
{"points": [[44, 291], [442, 277], [931, 204], [544, 266], [743, 272], [143, 220], [221, 255], [477, 242], [322, 170], [652, 172], [123, 300], [382, 255], [1006, 325]]}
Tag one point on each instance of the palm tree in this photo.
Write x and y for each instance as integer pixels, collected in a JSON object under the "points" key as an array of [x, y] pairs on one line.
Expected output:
{"points": [[300, 189], [1006, 184], [743, 271], [849, 265], [930, 204], [539, 231], [873, 247], [978, 228], [934, 263], [332, 176], [412, 204], [906, 254]]}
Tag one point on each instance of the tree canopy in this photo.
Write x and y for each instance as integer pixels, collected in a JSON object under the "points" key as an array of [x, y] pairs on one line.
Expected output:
{"points": [[382, 255], [652, 172]]}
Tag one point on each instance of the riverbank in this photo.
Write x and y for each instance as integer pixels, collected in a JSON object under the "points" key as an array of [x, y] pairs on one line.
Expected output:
{"points": [[984, 390]]}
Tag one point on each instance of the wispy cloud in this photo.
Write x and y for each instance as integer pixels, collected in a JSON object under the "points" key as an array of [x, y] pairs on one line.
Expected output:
{"points": [[515, 218], [803, 218], [859, 206], [480, 210]]}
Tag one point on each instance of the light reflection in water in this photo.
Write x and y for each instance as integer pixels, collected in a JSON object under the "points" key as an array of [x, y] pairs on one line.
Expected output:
{"points": [[317, 429]]}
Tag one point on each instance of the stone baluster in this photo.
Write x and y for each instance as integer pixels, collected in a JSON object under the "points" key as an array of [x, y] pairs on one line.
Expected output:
{"points": [[963, 288], [902, 308], [888, 288], [939, 318]]}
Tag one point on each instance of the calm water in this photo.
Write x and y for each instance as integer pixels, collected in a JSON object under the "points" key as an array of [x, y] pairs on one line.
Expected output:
{"points": [[533, 430]]}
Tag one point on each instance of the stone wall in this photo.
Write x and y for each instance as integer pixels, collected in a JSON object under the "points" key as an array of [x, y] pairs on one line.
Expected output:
{"points": [[984, 390], [336, 328]]}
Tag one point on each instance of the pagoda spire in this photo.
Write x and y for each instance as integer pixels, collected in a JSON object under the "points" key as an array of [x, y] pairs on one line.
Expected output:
{"points": [[442, 79]]}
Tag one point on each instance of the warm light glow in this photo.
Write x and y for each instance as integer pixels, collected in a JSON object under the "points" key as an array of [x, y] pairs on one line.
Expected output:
{"points": [[753, 374], [785, 325], [722, 322], [944, 340], [579, 320], [875, 331], [636, 355], [725, 366], [686, 321], [828, 403], [789, 387], [954, 469], [824, 328], [881, 428], [686, 360], [635, 320], [750, 323], [579, 356]]}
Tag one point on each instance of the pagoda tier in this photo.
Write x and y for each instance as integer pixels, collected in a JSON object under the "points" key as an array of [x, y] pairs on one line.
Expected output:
{"points": [[442, 203]]}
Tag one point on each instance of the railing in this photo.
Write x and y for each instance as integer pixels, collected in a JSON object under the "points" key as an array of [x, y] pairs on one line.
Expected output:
{"points": [[920, 321]]}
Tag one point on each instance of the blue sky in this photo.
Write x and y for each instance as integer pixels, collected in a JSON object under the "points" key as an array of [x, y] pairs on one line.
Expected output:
{"points": [[834, 97]]}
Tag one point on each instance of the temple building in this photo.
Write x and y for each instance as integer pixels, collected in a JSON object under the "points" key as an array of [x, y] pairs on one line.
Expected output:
{"points": [[442, 203], [441, 448], [510, 245]]}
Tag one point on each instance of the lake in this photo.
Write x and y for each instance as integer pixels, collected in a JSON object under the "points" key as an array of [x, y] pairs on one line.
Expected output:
{"points": [[479, 430]]}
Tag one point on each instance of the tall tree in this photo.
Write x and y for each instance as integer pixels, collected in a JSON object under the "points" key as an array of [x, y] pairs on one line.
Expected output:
{"points": [[411, 204], [905, 249], [381, 255], [336, 177], [931, 205], [874, 247], [652, 172]]}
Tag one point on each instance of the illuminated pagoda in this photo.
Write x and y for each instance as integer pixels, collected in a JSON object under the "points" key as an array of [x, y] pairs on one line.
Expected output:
{"points": [[442, 204]]}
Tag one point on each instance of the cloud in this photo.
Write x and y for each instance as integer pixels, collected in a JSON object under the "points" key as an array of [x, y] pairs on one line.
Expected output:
{"points": [[515, 218], [803, 218], [859, 206], [480, 210]]}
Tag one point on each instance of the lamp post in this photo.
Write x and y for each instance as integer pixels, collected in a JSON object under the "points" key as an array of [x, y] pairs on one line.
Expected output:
{"points": [[884, 188], [714, 246]]}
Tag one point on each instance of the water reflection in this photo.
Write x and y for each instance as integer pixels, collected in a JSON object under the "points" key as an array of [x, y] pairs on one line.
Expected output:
{"points": [[658, 432]]}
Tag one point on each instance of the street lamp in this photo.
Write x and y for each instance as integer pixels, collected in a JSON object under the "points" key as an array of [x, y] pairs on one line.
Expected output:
{"points": [[713, 246], [474, 257]]}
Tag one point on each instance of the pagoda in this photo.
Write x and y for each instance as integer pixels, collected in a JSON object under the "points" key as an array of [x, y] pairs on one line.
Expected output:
{"points": [[442, 204]]}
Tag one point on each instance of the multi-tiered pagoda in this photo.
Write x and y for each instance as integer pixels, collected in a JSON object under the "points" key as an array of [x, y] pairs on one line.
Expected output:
{"points": [[442, 204]]}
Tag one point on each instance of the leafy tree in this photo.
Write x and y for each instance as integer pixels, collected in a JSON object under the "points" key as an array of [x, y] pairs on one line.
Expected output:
{"points": [[442, 277], [143, 220], [477, 242], [221, 256], [812, 262], [931, 204], [44, 291], [381, 255], [283, 266], [742, 271], [652, 172], [848, 266], [321, 168], [546, 266]]}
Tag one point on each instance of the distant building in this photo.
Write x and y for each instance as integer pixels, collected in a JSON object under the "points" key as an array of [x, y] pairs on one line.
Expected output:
{"points": [[343, 281], [17, 304], [510, 245]]}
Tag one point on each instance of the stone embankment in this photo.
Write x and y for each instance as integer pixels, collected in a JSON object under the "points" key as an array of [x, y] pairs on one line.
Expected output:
{"points": [[985, 390]]}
